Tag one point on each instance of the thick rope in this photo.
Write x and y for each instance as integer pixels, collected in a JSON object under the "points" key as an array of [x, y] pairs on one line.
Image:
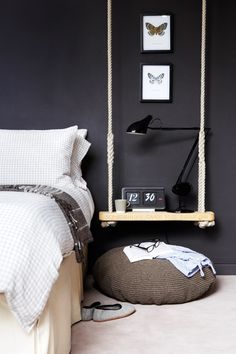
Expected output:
{"points": [[201, 148], [201, 145], [110, 137]]}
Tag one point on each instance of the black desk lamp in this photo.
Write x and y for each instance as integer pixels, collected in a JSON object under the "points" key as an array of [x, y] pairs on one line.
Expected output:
{"points": [[180, 188]]}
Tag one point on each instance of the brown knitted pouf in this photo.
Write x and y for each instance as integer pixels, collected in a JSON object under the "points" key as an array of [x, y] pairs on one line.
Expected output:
{"points": [[154, 281]]}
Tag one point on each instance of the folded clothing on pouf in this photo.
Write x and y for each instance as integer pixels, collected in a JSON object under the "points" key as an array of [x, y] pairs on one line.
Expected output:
{"points": [[184, 259]]}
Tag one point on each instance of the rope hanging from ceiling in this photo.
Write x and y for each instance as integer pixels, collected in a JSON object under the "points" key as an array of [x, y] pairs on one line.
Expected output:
{"points": [[201, 145], [110, 136]]}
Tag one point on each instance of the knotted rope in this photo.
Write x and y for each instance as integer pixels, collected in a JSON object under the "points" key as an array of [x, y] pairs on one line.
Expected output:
{"points": [[201, 143], [110, 136]]}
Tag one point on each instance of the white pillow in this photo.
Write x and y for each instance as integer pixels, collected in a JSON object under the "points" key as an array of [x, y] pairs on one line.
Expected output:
{"points": [[80, 149], [82, 132], [36, 156]]}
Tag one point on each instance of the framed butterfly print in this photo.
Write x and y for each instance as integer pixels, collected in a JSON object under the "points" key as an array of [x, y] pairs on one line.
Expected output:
{"points": [[156, 33], [156, 83]]}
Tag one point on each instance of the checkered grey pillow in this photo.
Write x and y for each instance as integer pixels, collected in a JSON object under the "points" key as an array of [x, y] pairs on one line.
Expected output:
{"points": [[36, 156]]}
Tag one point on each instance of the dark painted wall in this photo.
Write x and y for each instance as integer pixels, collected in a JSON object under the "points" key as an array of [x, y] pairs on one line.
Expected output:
{"points": [[53, 74]]}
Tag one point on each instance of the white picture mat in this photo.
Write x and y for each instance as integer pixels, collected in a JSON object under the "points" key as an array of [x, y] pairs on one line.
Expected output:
{"points": [[159, 90], [157, 42]]}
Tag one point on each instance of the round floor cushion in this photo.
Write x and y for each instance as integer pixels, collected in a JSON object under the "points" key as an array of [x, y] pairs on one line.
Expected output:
{"points": [[154, 281]]}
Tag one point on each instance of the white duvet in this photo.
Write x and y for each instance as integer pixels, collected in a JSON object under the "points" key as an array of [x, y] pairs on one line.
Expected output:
{"points": [[34, 236]]}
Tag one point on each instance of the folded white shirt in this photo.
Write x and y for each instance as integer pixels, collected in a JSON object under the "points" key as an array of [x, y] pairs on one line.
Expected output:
{"points": [[184, 259]]}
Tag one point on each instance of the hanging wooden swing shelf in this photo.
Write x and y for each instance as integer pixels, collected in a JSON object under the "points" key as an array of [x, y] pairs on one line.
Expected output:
{"points": [[201, 218], [207, 216]]}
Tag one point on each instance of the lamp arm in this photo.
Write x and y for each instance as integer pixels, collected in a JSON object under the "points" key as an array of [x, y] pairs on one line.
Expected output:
{"points": [[187, 160], [174, 128], [179, 180]]}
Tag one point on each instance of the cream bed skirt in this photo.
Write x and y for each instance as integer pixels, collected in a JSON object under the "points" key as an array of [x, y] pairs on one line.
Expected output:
{"points": [[52, 333]]}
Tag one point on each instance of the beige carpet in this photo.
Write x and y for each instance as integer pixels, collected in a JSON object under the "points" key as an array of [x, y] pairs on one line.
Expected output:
{"points": [[205, 326]]}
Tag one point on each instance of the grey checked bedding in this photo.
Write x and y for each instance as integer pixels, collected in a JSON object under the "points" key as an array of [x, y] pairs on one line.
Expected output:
{"points": [[35, 234]]}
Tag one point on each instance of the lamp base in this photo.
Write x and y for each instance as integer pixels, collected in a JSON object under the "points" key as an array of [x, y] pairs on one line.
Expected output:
{"points": [[183, 210]]}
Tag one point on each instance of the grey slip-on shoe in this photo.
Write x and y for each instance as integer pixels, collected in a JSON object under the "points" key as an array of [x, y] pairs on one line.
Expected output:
{"points": [[104, 313], [87, 311]]}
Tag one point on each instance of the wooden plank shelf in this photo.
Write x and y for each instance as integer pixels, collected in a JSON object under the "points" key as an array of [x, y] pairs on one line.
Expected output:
{"points": [[196, 216]]}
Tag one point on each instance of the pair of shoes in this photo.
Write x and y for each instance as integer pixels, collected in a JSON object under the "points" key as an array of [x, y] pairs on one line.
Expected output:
{"points": [[102, 313]]}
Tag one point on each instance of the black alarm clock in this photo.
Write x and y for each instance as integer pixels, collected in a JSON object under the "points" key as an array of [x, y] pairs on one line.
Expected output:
{"points": [[144, 198]]}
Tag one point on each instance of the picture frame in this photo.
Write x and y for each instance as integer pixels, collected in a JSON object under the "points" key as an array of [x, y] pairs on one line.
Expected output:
{"points": [[156, 82], [156, 33]]}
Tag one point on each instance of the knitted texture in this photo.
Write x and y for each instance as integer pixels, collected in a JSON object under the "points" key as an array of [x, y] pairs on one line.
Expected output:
{"points": [[154, 281]]}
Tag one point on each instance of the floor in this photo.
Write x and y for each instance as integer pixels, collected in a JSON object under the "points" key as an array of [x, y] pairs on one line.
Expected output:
{"points": [[204, 326]]}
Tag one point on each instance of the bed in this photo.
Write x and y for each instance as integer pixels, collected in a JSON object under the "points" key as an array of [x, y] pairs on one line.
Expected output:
{"points": [[44, 297]]}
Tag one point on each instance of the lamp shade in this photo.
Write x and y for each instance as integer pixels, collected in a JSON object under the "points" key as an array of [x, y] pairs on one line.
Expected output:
{"points": [[140, 127]]}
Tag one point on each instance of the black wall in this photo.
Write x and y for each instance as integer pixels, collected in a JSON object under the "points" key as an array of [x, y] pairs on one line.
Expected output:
{"points": [[53, 74]]}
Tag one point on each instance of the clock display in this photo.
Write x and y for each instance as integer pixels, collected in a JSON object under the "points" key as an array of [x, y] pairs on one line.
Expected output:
{"points": [[147, 198]]}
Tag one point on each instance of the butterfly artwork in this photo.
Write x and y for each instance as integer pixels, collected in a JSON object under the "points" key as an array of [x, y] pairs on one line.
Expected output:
{"points": [[155, 79], [153, 30]]}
